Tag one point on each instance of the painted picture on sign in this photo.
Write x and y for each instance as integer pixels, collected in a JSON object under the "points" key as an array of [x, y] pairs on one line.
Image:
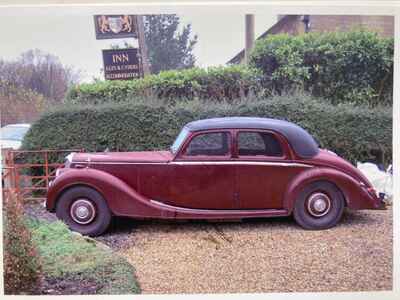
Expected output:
{"points": [[115, 26]]}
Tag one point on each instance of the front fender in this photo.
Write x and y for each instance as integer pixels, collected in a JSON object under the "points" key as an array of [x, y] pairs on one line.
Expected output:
{"points": [[355, 195], [121, 198]]}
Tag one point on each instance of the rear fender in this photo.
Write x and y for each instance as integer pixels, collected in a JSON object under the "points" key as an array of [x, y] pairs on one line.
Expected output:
{"points": [[121, 198], [356, 197]]}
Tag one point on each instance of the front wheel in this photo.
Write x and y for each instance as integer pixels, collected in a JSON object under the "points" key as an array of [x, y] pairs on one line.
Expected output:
{"points": [[84, 210], [319, 206]]}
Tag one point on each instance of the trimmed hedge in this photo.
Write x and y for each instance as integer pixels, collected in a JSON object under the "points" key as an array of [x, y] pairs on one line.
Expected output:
{"points": [[342, 67], [356, 133], [354, 66], [215, 83], [22, 268]]}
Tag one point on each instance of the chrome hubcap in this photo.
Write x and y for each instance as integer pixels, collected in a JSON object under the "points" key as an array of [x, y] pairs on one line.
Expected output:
{"points": [[318, 204], [82, 211]]}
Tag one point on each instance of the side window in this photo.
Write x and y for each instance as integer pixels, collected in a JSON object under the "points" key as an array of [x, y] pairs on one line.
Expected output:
{"points": [[258, 143], [212, 144]]}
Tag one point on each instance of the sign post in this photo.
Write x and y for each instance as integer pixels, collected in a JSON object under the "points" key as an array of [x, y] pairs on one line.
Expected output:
{"points": [[142, 46]]}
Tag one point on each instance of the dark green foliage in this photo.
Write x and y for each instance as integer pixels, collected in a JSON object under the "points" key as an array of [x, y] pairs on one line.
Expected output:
{"points": [[22, 269], [217, 83], [168, 48], [355, 66], [341, 67], [355, 133]]}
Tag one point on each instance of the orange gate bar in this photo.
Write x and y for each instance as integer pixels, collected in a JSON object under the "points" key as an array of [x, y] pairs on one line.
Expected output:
{"points": [[30, 181]]}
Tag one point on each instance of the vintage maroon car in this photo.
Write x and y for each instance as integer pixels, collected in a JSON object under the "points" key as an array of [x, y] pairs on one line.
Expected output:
{"points": [[224, 168]]}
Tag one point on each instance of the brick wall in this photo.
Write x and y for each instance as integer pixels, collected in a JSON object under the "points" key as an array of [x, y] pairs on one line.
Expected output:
{"points": [[384, 25], [291, 25]]}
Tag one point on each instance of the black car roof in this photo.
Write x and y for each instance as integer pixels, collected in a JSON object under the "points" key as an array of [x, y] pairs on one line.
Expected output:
{"points": [[301, 141]]}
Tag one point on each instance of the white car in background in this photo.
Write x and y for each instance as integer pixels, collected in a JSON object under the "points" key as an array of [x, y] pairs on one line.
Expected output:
{"points": [[11, 135]]}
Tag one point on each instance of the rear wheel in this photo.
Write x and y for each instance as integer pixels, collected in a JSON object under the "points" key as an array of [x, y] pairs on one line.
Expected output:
{"points": [[84, 210], [319, 206]]}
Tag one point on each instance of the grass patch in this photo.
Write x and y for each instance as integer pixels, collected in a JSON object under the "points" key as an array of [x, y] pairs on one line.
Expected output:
{"points": [[65, 255]]}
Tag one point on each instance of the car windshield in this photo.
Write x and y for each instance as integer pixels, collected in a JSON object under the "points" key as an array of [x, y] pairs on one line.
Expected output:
{"points": [[179, 140], [14, 133]]}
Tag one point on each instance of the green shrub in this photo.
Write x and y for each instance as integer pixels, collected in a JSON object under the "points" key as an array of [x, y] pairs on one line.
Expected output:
{"points": [[22, 268], [355, 66], [216, 83], [356, 133]]}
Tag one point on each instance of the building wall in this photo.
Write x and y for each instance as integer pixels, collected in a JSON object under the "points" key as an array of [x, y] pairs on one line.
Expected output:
{"points": [[384, 25], [291, 25]]}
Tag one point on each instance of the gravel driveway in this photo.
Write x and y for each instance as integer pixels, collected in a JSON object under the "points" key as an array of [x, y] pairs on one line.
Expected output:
{"points": [[270, 255]]}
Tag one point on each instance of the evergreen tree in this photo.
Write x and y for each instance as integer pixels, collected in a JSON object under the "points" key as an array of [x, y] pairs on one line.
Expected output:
{"points": [[168, 48]]}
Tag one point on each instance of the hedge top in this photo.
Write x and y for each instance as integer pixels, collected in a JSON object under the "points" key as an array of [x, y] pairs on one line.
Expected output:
{"points": [[342, 67], [215, 83], [356, 133]]}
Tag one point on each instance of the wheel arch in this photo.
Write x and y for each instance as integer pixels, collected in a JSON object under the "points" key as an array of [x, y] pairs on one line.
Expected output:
{"points": [[332, 183], [345, 184], [76, 185]]}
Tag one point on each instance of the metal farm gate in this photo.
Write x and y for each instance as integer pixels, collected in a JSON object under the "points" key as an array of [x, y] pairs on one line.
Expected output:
{"points": [[27, 174]]}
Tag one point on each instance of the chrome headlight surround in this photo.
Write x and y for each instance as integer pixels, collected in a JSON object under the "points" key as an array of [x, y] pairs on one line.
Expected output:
{"points": [[69, 159]]}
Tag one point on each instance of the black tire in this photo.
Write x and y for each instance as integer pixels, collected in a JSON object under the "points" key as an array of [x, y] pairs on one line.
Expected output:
{"points": [[73, 204], [320, 205]]}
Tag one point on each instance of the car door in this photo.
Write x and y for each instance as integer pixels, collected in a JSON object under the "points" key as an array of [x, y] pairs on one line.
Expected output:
{"points": [[263, 169], [203, 175]]}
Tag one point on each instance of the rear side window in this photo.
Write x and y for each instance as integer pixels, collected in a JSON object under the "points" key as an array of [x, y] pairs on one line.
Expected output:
{"points": [[258, 143], [210, 144]]}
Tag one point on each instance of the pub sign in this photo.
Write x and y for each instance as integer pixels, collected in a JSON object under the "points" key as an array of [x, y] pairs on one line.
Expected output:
{"points": [[115, 26], [121, 64]]}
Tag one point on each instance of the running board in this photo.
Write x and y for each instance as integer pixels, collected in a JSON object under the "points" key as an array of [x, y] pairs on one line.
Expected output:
{"points": [[193, 213]]}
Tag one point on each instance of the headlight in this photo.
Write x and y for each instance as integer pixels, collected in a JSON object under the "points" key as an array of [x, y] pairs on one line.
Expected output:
{"points": [[69, 159], [58, 172]]}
